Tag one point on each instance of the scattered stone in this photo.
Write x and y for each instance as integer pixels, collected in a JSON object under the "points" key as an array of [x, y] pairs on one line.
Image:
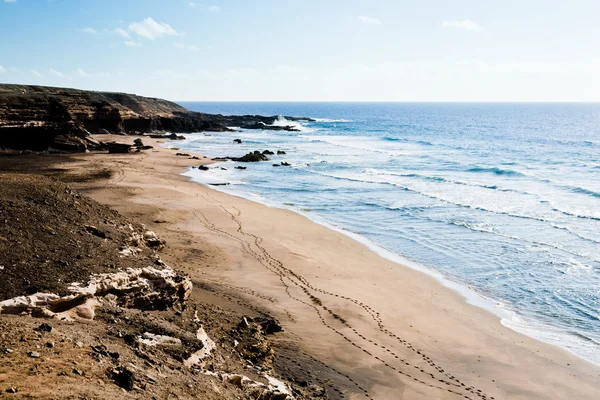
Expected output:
{"points": [[203, 168], [95, 231], [174, 136], [280, 152], [255, 156], [276, 165], [240, 167], [12, 390], [195, 158], [116, 148], [45, 327], [268, 152], [286, 164], [150, 339], [268, 325], [152, 240], [123, 377], [218, 184], [78, 372], [238, 141], [34, 354], [138, 142], [182, 154], [8, 351], [49, 345]]}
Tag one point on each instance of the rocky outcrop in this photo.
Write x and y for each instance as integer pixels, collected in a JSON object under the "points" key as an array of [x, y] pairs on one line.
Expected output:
{"points": [[41, 118]]}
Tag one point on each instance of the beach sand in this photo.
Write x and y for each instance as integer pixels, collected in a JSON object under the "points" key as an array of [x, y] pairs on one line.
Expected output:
{"points": [[391, 332]]}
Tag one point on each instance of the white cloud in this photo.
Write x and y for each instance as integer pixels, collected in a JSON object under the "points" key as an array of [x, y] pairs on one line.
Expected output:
{"points": [[186, 47], [2, 69], [82, 73], [172, 74], [150, 29], [57, 73], [36, 73], [214, 8], [466, 24], [131, 43], [122, 32], [369, 20], [91, 31], [192, 4]]}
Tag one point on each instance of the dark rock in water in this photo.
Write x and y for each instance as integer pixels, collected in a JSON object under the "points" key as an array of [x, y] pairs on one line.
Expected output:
{"points": [[174, 136], [238, 141], [255, 156], [223, 169], [114, 147], [45, 327], [286, 164], [203, 168], [240, 167], [276, 165], [268, 152], [280, 152], [218, 184], [123, 377]]}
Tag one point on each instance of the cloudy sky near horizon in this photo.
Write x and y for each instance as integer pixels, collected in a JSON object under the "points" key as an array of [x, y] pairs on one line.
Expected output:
{"points": [[311, 50]]}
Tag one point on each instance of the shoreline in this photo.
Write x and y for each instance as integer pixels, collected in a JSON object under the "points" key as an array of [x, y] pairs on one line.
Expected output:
{"points": [[507, 317], [462, 355], [469, 294]]}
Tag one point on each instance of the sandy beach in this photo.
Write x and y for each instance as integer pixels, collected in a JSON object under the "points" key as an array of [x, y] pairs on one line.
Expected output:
{"points": [[390, 332]]}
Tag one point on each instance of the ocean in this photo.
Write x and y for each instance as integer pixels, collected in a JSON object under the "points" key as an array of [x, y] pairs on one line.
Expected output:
{"points": [[502, 200]]}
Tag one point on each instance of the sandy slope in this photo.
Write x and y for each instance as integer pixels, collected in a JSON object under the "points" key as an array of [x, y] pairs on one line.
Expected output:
{"points": [[388, 329]]}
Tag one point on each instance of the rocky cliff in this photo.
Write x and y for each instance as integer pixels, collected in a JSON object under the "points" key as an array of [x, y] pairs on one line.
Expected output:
{"points": [[40, 118]]}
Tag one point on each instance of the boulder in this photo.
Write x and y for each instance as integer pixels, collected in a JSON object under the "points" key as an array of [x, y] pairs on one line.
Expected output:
{"points": [[255, 156], [114, 148]]}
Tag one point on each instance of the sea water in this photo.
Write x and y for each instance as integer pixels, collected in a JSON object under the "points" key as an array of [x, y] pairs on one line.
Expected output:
{"points": [[501, 198]]}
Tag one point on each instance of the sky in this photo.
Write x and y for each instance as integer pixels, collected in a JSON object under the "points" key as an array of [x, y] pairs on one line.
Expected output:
{"points": [[307, 50]]}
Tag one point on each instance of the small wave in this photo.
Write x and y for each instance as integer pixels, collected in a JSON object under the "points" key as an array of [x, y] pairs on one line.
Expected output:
{"points": [[330, 120], [396, 139], [586, 191], [282, 121], [497, 171]]}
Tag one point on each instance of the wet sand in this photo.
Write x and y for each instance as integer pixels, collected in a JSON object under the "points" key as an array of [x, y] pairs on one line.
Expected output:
{"points": [[390, 331]]}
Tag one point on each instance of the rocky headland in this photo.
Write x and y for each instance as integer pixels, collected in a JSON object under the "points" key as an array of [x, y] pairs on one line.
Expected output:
{"points": [[43, 118]]}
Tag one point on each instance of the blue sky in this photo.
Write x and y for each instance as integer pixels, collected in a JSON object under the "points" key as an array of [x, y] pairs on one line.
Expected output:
{"points": [[323, 50]]}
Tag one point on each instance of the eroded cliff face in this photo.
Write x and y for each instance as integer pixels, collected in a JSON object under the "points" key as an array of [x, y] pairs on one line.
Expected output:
{"points": [[38, 118]]}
